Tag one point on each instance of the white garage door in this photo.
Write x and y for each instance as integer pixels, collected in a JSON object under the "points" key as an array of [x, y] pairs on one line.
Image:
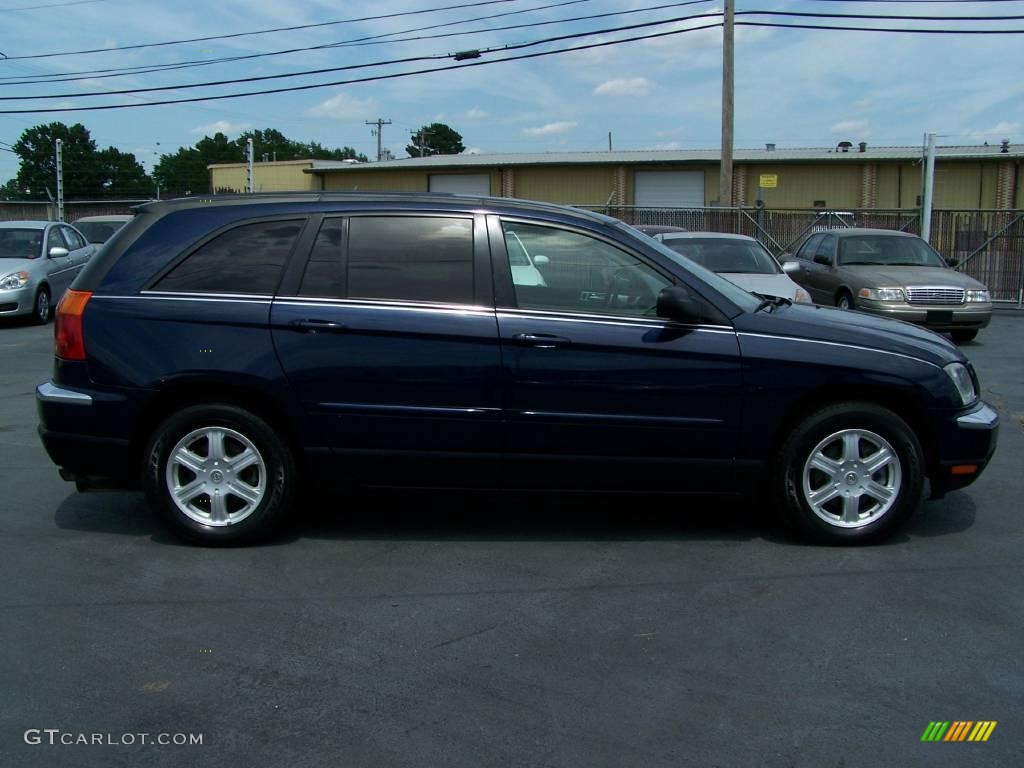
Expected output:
{"points": [[461, 183], [668, 189]]}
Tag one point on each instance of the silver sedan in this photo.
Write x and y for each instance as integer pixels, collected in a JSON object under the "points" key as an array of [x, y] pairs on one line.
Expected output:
{"points": [[38, 261]]}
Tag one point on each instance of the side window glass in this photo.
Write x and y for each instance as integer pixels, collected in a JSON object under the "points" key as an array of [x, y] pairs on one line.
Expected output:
{"points": [[55, 240], [74, 241], [827, 249], [410, 258], [324, 275], [246, 259], [809, 248], [556, 269]]}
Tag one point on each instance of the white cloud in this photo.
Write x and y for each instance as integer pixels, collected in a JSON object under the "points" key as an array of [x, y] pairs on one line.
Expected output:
{"points": [[1000, 131], [854, 127], [220, 126], [550, 129], [669, 145], [475, 114], [341, 106], [624, 86]]}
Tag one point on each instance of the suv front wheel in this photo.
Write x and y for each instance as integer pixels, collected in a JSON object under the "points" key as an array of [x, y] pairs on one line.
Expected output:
{"points": [[219, 474], [851, 473]]}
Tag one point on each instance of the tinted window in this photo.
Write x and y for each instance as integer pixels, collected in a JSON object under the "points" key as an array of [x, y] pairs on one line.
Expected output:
{"points": [[324, 275], [577, 273], [246, 259], [809, 247], [828, 247], [411, 258]]}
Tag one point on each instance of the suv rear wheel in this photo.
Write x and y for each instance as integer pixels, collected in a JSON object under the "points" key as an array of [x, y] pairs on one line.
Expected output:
{"points": [[851, 473], [219, 474]]}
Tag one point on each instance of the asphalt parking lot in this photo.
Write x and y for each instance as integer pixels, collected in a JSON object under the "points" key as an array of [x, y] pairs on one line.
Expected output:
{"points": [[428, 630]]}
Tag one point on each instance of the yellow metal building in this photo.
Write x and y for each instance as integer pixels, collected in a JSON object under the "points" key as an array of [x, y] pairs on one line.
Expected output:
{"points": [[850, 177]]}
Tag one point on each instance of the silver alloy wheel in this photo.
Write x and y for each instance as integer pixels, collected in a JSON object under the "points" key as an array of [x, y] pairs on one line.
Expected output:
{"points": [[852, 478], [43, 306], [216, 476], [844, 302]]}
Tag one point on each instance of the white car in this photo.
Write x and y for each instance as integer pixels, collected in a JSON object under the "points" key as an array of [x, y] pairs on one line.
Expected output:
{"points": [[740, 259], [524, 266]]}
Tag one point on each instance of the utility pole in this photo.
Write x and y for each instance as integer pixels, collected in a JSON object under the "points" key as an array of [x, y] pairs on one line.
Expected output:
{"points": [[248, 170], [380, 123], [609, 141], [60, 181], [929, 186], [725, 173]]}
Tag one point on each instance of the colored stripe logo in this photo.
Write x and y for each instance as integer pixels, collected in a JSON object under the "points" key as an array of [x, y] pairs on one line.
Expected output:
{"points": [[959, 730]]}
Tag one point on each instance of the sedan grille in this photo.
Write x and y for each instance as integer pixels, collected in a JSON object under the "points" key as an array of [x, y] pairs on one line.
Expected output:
{"points": [[922, 295]]}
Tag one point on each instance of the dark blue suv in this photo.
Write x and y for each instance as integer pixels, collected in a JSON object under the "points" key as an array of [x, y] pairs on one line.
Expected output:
{"points": [[217, 352]]}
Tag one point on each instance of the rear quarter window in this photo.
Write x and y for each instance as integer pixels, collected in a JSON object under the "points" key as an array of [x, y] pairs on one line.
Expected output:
{"points": [[246, 259]]}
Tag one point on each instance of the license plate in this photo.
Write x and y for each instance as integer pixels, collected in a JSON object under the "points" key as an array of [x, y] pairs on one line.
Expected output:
{"points": [[939, 317]]}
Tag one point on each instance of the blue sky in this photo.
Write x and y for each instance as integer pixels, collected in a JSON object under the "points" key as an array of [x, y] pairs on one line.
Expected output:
{"points": [[793, 87]]}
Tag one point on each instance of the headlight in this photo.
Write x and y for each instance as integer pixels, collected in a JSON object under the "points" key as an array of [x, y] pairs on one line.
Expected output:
{"points": [[978, 296], [14, 280], [881, 294], [802, 297], [963, 382]]}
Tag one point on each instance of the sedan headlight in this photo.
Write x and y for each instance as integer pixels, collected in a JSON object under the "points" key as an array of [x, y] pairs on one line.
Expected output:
{"points": [[13, 280], [978, 296], [882, 294], [963, 382], [802, 297]]}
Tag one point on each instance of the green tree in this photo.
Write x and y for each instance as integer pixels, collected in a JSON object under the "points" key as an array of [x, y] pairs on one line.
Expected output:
{"points": [[435, 139], [184, 172], [276, 146], [83, 176], [122, 174]]}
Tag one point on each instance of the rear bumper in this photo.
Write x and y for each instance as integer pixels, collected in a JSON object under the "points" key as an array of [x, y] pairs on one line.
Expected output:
{"points": [[76, 429], [938, 317], [965, 444]]}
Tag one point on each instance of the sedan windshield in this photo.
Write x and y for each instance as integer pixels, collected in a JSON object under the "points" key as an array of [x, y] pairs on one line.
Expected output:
{"points": [[726, 255], [21, 243], [883, 251]]}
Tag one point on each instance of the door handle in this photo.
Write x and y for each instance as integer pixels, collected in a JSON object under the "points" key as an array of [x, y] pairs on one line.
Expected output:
{"points": [[313, 325], [541, 340]]}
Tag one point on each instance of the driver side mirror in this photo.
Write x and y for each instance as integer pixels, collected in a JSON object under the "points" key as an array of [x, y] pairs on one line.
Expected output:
{"points": [[540, 260], [57, 252], [675, 303]]}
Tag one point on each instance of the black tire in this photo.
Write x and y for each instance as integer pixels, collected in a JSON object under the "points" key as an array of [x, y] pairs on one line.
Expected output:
{"points": [[41, 306], [962, 337], [844, 300], [277, 472], [787, 475]]}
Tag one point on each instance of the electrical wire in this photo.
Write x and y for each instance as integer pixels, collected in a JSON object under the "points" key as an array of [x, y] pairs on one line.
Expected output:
{"points": [[372, 78], [880, 29], [360, 41], [325, 70], [52, 5], [232, 35]]}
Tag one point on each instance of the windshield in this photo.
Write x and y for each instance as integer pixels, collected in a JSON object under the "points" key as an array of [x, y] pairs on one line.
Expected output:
{"points": [[741, 298], [879, 250], [726, 255], [21, 243], [98, 231]]}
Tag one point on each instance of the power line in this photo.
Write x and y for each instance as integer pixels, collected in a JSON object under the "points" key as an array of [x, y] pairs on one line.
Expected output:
{"points": [[51, 5], [373, 78], [325, 70], [878, 29], [262, 31]]}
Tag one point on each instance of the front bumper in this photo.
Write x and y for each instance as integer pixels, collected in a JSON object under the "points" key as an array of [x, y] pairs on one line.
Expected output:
{"points": [[964, 445], [17, 302], [959, 317], [78, 431]]}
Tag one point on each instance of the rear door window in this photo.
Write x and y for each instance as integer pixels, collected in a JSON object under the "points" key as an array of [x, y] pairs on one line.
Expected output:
{"points": [[246, 259]]}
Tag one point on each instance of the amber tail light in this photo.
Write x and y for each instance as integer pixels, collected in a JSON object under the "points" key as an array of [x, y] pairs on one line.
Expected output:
{"points": [[67, 332]]}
